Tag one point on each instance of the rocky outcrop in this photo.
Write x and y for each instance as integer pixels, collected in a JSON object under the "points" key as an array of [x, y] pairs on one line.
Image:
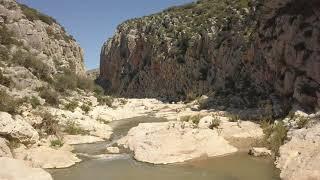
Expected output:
{"points": [[172, 142], [41, 36], [12, 169], [300, 157], [250, 53], [17, 129], [4, 148]]}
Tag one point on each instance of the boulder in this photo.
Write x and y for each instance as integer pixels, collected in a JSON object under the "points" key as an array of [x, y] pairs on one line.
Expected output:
{"points": [[259, 152], [17, 128], [299, 158], [12, 169], [4, 148], [172, 142], [113, 150], [47, 157]]}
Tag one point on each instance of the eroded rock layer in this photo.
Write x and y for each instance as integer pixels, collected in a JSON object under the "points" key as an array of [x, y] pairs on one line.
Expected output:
{"points": [[243, 51]]}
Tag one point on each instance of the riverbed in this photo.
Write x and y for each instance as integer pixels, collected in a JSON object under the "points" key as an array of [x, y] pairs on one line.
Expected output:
{"points": [[99, 166]]}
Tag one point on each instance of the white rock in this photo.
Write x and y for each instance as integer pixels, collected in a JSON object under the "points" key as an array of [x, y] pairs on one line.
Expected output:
{"points": [[172, 142], [46, 157], [113, 150], [17, 128], [300, 158], [258, 152], [206, 122], [4, 149], [12, 169]]}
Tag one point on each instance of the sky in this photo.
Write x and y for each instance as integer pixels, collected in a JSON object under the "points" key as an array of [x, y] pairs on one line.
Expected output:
{"points": [[92, 22]]}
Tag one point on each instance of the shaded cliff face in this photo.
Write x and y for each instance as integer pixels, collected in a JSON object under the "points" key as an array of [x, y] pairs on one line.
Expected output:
{"points": [[243, 53], [26, 31]]}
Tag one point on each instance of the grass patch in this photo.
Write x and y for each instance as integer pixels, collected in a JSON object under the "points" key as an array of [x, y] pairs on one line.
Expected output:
{"points": [[74, 129], [105, 100], [33, 15], [234, 118]]}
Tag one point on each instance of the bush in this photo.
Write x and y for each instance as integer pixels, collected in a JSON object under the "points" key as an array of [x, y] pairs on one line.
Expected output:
{"points": [[234, 118], [56, 143], [7, 103], [34, 102], [185, 118], [274, 135], [105, 100], [49, 124], [50, 96], [302, 122], [85, 108], [71, 106], [215, 123], [4, 80], [73, 129], [32, 15], [64, 82], [85, 83], [195, 119]]}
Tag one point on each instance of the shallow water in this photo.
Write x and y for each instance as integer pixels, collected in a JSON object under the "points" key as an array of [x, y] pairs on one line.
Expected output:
{"points": [[239, 166]]}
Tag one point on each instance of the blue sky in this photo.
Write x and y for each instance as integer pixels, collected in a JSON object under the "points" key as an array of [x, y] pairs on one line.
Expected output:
{"points": [[93, 22]]}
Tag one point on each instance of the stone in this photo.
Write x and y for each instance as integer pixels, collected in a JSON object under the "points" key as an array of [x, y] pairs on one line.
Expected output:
{"points": [[47, 157], [259, 152], [299, 158], [173, 142], [80, 139], [4, 148], [113, 150], [206, 122], [13, 169], [17, 128]]}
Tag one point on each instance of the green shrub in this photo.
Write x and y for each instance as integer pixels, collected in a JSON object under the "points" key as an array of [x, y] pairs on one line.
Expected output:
{"points": [[34, 102], [85, 108], [51, 96], [7, 37], [71, 106], [234, 118], [49, 124], [73, 129], [195, 119], [302, 122], [85, 83], [274, 135], [32, 15], [4, 80], [8, 104], [56, 143], [105, 100], [65, 82], [98, 90]]}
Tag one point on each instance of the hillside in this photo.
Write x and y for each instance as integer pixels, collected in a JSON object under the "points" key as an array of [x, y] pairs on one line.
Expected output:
{"points": [[243, 54]]}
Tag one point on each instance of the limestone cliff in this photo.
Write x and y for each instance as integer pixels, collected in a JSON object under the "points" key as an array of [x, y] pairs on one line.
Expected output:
{"points": [[26, 31], [243, 53]]}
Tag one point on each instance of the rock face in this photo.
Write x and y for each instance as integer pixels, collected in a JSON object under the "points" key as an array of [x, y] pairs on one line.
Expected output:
{"points": [[12, 169], [300, 157], [17, 129], [244, 51], [41, 35], [172, 142], [4, 149]]}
